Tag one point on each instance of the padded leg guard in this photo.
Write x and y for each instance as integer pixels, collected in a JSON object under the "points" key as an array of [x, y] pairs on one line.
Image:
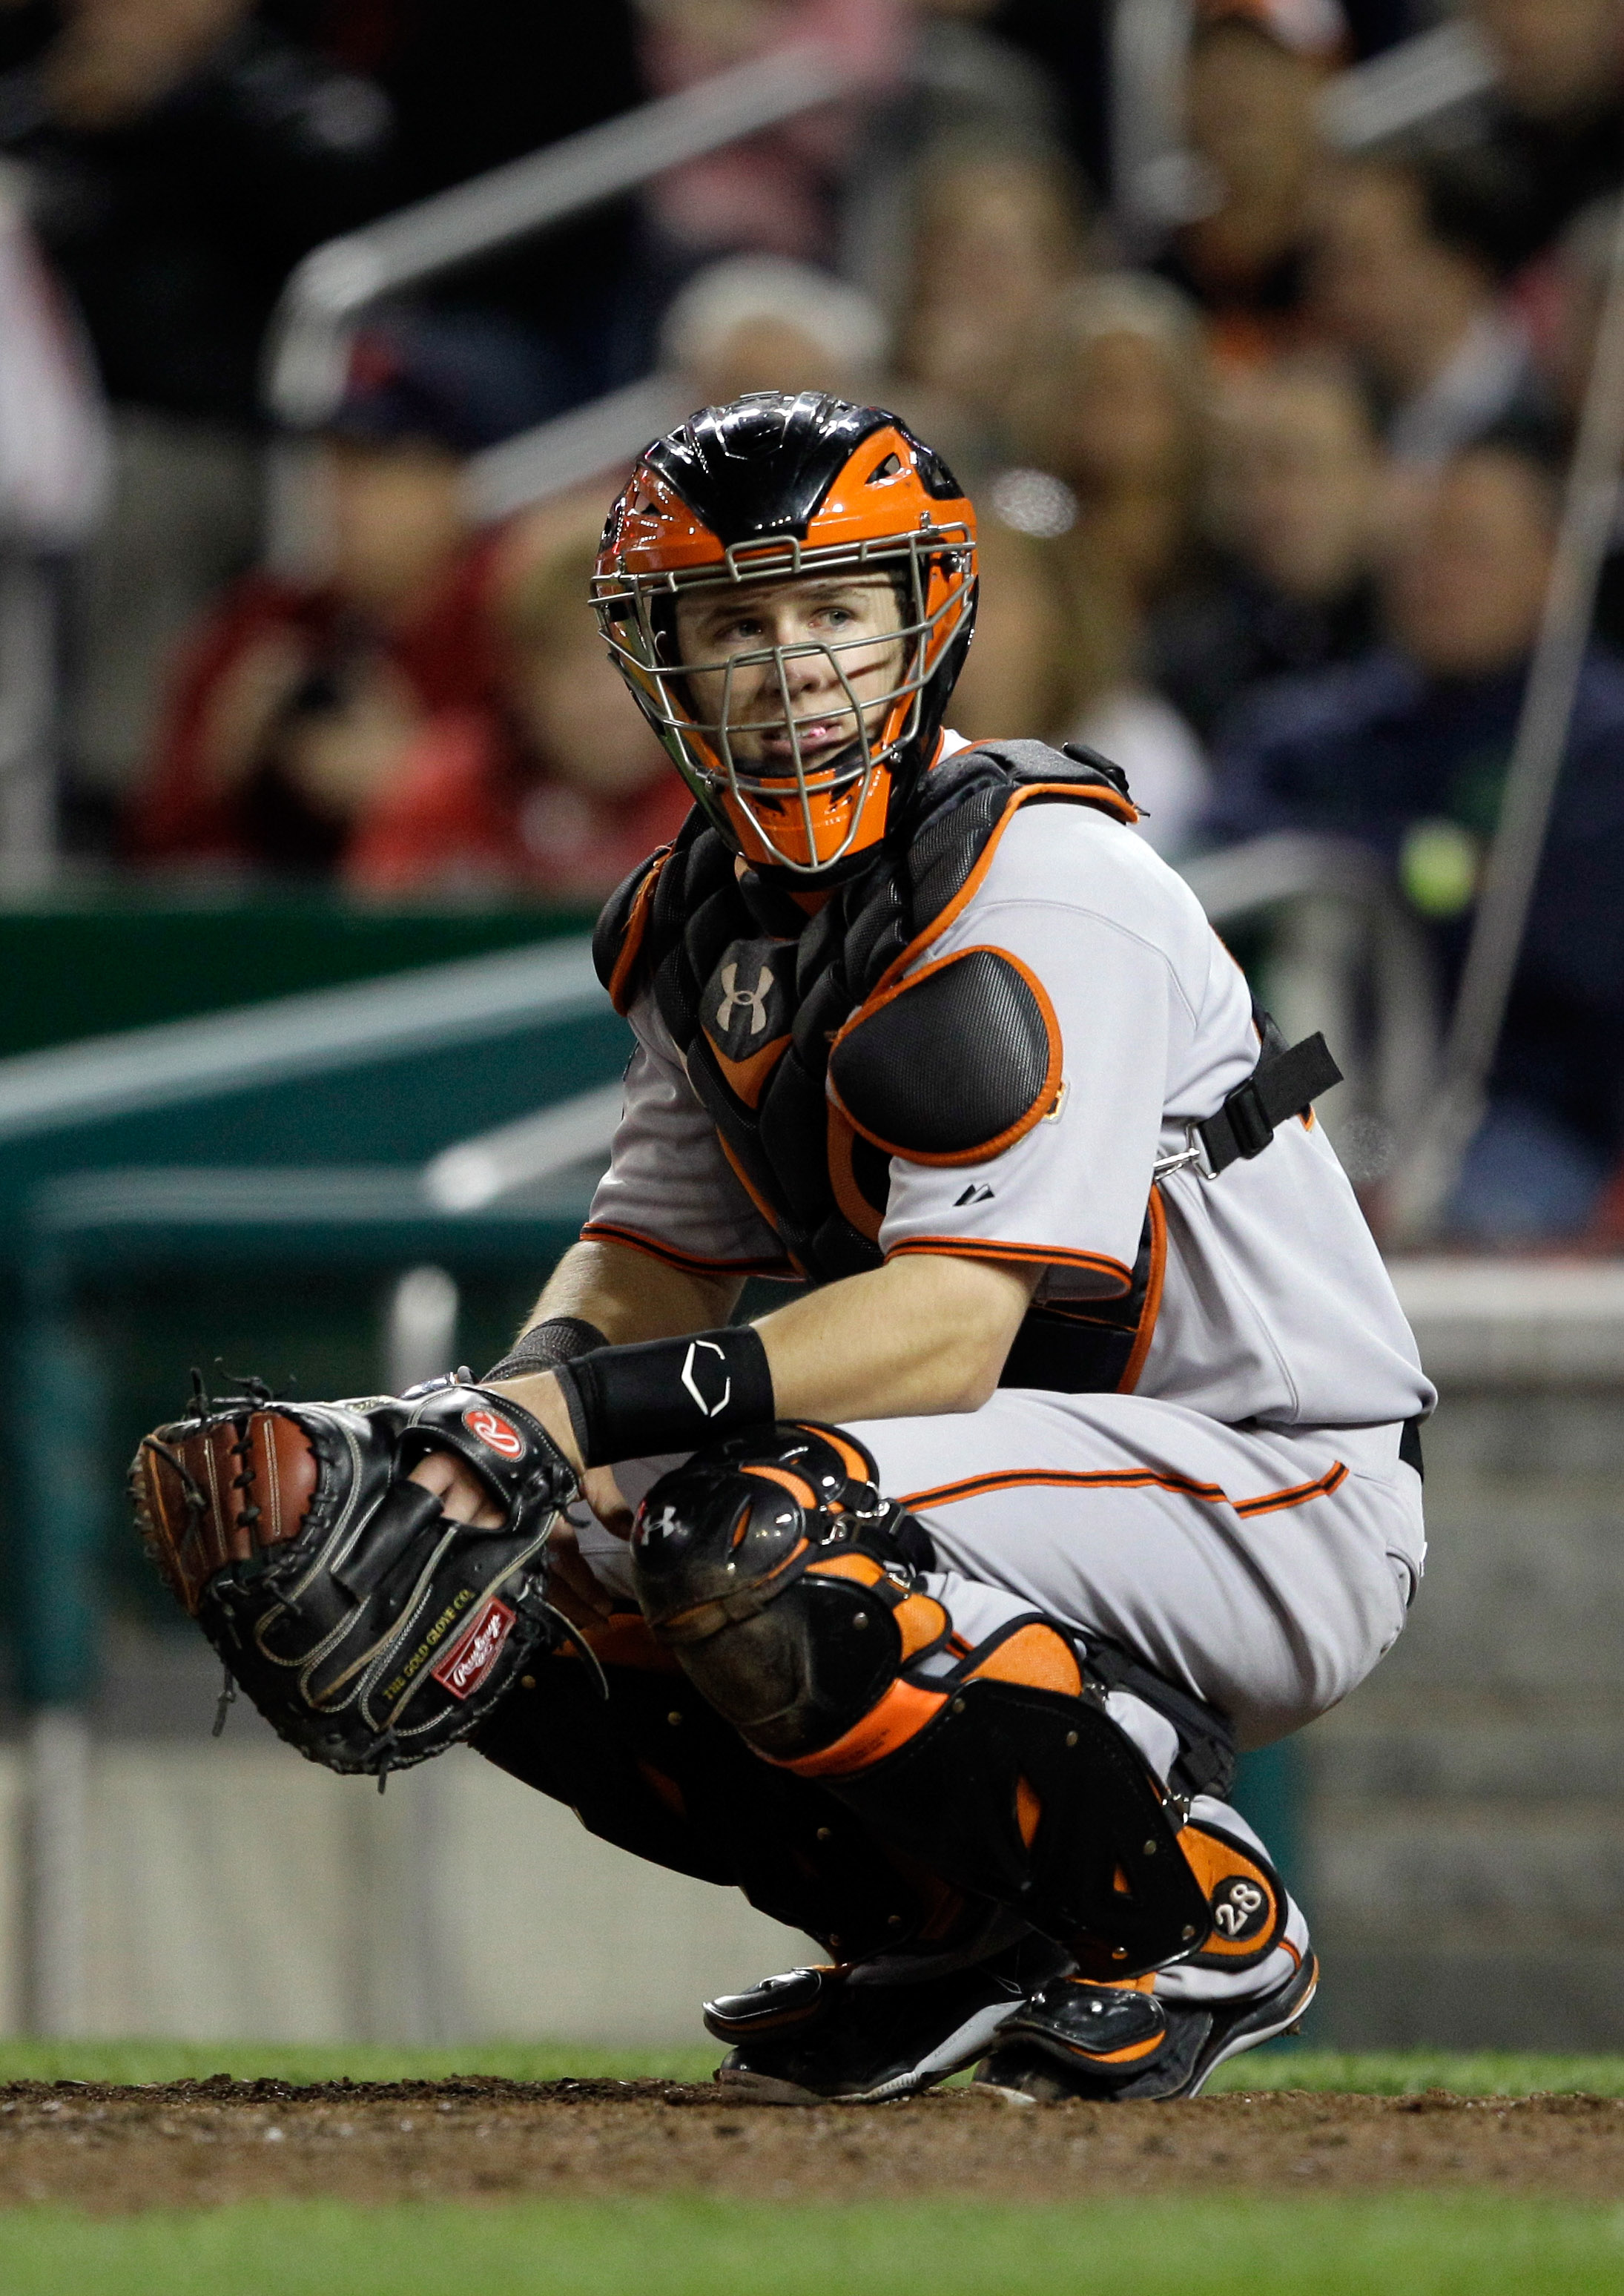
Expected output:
{"points": [[657, 1772], [1037, 1799], [788, 1588]]}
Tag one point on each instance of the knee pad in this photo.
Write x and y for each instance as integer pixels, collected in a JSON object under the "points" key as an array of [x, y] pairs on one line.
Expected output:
{"points": [[788, 1588], [784, 1583]]}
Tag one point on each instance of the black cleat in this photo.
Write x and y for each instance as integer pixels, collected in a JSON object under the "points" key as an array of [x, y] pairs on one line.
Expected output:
{"points": [[817, 2034], [1115, 2043]]}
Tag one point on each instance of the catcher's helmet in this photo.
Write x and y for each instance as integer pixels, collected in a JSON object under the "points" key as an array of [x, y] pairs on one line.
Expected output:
{"points": [[766, 491]]}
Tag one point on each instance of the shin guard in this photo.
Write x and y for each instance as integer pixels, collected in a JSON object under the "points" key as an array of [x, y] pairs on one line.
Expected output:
{"points": [[790, 1593]]}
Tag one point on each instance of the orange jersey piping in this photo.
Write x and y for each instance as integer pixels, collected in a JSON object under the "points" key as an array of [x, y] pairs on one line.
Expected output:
{"points": [[1152, 1295], [977, 1247], [1129, 1478], [637, 927]]}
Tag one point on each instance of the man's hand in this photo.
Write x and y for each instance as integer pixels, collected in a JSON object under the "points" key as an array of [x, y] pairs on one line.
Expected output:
{"points": [[463, 1497]]}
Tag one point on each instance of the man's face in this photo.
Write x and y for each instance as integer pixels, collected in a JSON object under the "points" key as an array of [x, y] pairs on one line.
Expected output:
{"points": [[1249, 112], [1372, 264], [1468, 593], [1297, 473], [395, 516], [764, 352], [844, 633]]}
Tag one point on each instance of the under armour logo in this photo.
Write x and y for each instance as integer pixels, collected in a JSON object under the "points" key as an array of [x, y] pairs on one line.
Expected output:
{"points": [[666, 1524], [972, 1195], [755, 998], [692, 1365]]}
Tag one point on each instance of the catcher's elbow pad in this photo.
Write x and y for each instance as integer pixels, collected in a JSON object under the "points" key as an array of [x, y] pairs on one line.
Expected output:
{"points": [[789, 1590]]}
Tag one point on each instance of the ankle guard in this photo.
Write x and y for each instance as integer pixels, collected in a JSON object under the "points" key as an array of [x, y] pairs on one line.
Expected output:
{"points": [[788, 1588]]}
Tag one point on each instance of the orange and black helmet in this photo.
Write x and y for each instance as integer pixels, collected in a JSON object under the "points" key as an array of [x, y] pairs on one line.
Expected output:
{"points": [[768, 490]]}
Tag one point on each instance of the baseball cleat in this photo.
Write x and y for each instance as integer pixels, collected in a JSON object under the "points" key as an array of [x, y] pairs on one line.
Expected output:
{"points": [[816, 2035], [1120, 2045]]}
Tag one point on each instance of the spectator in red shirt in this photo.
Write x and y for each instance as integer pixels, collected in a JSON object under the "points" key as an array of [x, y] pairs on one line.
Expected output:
{"points": [[294, 700]]}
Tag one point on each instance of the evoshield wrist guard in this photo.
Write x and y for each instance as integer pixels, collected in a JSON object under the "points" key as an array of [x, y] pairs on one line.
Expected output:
{"points": [[668, 1395]]}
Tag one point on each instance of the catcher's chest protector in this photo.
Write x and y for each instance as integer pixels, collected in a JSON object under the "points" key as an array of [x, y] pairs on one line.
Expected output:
{"points": [[770, 1009]]}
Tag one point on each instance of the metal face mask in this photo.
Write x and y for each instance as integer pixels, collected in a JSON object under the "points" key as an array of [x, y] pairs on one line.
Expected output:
{"points": [[736, 504]]}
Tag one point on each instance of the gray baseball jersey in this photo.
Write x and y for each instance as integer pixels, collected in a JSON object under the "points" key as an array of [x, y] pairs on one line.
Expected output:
{"points": [[1152, 1515]]}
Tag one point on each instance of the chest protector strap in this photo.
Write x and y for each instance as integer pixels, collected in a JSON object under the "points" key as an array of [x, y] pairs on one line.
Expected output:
{"points": [[1284, 1083]]}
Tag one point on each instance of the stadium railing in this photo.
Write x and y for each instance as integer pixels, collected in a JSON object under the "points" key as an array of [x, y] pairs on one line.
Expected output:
{"points": [[336, 284], [28, 712], [381, 1077]]}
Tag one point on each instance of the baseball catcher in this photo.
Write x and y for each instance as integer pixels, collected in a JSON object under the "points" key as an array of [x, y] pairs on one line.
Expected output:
{"points": [[933, 1605]]}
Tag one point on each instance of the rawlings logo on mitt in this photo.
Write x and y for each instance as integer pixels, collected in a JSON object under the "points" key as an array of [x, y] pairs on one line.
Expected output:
{"points": [[369, 1630]]}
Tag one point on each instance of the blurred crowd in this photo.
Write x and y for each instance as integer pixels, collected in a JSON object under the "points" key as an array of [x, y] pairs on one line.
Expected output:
{"points": [[1268, 443]]}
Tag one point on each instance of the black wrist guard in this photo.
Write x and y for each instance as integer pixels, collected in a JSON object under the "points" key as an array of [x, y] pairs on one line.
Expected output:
{"points": [[546, 1346], [668, 1395]]}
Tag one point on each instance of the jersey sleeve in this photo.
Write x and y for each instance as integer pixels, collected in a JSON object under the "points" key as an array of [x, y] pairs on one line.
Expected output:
{"points": [[1070, 1194], [669, 1190]]}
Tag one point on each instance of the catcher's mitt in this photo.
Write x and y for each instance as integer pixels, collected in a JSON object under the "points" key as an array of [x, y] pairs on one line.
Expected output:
{"points": [[369, 1630]]}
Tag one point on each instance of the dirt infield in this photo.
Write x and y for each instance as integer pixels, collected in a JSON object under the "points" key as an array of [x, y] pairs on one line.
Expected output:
{"points": [[197, 2143]]}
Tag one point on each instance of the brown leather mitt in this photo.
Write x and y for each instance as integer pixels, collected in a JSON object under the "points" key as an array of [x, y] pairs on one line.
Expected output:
{"points": [[369, 1629]]}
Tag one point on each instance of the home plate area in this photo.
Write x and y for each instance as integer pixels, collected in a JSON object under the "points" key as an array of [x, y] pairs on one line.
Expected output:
{"points": [[191, 2144]]}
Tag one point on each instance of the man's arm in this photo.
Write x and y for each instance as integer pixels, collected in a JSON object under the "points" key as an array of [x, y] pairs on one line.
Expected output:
{"points": [[629, 1295], [924, 1335]]}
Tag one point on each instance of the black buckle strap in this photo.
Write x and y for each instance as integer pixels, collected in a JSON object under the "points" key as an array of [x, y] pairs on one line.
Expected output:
{"points": [[1282, 1085], [1409, 1446], [1206, 1759]]}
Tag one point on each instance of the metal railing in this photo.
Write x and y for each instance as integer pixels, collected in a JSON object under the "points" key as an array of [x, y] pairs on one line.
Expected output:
{"points": [[572, 448], [330, 292], [1368, 105], [289, 1041], [27, 722], [1391, 94], [337, 282], [1346, 956]]}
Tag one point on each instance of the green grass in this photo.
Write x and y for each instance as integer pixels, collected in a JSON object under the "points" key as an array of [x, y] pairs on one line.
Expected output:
{"points": [[1404, 2245], [1388, 2075], [1393, 2073]]}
